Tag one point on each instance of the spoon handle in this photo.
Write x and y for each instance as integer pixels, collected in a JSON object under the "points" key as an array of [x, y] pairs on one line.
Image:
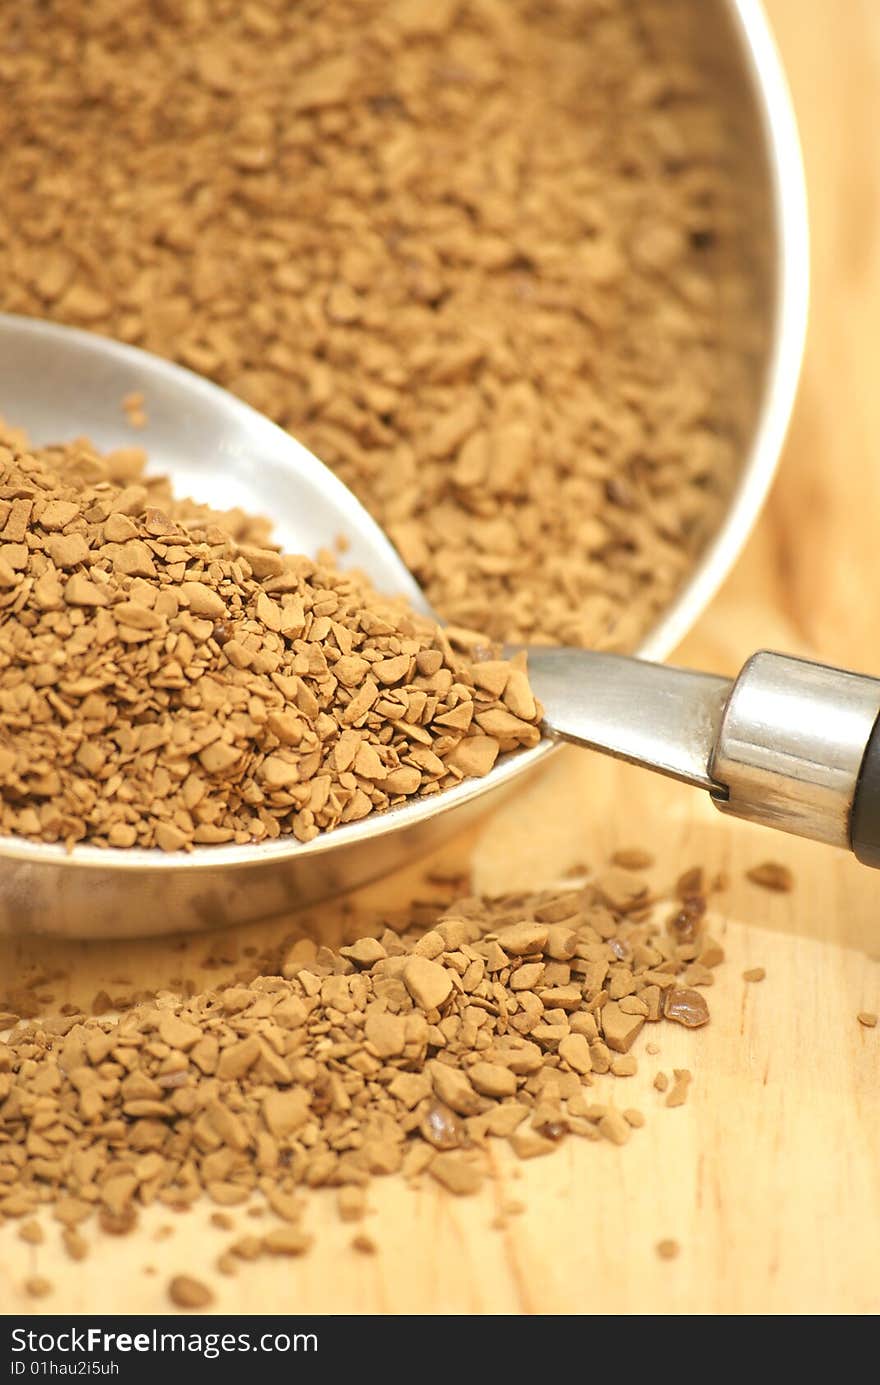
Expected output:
{"points": [[789, 743], [798, 748]]}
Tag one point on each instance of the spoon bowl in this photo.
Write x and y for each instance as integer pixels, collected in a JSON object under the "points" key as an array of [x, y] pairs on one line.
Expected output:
{"points": [[56, 383]]}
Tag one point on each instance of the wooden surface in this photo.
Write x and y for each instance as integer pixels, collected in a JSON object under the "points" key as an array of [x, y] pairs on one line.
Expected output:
{"points": [[769, 1177]]}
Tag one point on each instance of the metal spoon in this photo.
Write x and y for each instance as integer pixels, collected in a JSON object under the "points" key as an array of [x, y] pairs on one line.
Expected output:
{"points": [[788, 743], [785, 744]]}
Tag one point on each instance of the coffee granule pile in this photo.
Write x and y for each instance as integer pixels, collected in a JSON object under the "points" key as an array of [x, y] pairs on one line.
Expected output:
{"points": [[166, 682], [400, 1054], [477, 254]]}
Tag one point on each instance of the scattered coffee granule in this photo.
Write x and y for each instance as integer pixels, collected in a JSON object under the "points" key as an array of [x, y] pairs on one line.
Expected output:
{"points": [[286, 1240], [351, 1202], [37, 1286], [691, 883], [685, 1006], [164, 682], [771, 875], [341, 1066], [754, 974], [31, 1232], [668, 1249], [632, 858], [462, 1175], [678, 1094], [625, 1066], [661, 1081], [186, 1292], [75, 1244], [364, 1244], [867, 1018], [615, 1127], [479, 257]]}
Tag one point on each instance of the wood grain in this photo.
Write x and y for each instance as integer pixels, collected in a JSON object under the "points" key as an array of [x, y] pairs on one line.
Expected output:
{"points": [[768, 1177]]}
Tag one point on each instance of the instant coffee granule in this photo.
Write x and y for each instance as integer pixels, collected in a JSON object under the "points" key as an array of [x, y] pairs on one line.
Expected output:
{"points": [[678, 1093], [37, 1286], [364, 1244], [772, 875], [668, 1249], [167, 678], [481, 256], [186, 1292], [403, 1054]]}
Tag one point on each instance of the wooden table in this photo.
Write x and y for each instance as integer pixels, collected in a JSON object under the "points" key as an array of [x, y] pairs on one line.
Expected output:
{"points": [[769, 1177]]}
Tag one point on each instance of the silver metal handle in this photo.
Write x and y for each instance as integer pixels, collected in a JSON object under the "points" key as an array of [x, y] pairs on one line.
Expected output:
{"points": [[791, 744]]}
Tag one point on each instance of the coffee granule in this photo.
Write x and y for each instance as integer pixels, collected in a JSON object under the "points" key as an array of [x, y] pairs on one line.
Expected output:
{"points": [[668, 1249], [868, 1018], [685, 1006], [124, 721], [477, 256], [37, 1286], [335, 1069], [771, 875], [186, 1292], [632, 858], [677, 1096], [615, 1127], [365, 1245], [351, 1202], [31, 1232], [75, 1244], [754, 974], [286, 1240]]}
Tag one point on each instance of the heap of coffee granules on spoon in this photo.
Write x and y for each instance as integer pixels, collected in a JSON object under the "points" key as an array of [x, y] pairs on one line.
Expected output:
{"points": [[402, 1054], [479, 255], [166, 682]]}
